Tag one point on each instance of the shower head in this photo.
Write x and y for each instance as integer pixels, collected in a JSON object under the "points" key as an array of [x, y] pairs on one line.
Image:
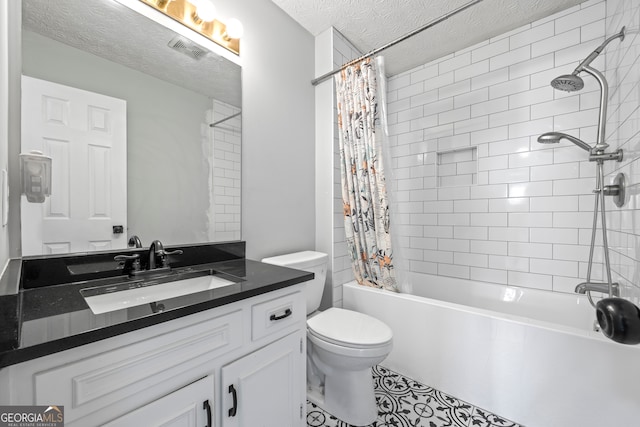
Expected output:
{"points": [[572, 82], [555, 137], [568, 83]]}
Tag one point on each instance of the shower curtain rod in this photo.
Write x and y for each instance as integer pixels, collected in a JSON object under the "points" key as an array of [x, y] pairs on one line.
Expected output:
{"points": [[214, 124], [436, 21]]}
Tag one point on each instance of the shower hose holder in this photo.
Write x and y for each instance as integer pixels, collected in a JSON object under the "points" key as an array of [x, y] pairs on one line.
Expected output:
{"points": [[601, 156]]}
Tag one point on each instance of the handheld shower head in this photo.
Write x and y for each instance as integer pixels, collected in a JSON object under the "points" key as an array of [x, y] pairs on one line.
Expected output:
{"points": [[568, 83], [555, 137], [549, 138]]}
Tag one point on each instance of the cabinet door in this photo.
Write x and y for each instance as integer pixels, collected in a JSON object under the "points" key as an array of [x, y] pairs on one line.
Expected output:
{"points": [[190, 406], [267, 387]]}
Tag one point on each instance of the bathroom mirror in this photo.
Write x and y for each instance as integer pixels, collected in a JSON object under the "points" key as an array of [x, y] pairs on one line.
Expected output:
{"points": [[182, 175]]}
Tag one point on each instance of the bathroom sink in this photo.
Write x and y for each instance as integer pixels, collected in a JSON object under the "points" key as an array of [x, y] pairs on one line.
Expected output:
{"points": [[132, 293]]}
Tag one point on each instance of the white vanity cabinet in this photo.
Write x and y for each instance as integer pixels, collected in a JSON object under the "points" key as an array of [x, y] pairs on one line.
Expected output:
{"points": [[167, 371], [262, 388], [190, 406]]}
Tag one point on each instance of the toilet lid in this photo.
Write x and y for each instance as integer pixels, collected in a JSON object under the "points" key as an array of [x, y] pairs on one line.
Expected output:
{"points": [[349, 327]]}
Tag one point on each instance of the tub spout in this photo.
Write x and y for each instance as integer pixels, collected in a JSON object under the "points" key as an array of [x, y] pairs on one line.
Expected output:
{"points": [[583, 287]]}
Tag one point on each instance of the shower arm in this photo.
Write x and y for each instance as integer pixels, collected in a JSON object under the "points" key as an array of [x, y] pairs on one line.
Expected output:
{"points": [[585, 66], [598, 153], [604, 96], [593, 55]]}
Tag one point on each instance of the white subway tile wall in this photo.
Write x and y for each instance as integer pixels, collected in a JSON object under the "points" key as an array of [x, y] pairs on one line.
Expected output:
{"points": [[623, 131], [454, 168], [526, 217], [226, 182], [526, 220]]}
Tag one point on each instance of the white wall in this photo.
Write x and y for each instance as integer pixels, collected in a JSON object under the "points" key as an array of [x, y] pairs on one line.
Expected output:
{"points": [[324, 164], [526, 221], [4, 134], [278, 201], [332, 51], [10, 16]]}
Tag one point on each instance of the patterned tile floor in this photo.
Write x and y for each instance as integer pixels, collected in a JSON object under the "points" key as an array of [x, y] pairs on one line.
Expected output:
{"points": [[403, 402]]}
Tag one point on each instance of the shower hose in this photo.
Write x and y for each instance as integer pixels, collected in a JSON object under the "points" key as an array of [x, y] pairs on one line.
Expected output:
{"points": [[599, 200]]}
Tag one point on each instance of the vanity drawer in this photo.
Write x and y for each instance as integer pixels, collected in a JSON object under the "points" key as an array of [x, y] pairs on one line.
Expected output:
{"points": [[277, 314], [87, 385]]}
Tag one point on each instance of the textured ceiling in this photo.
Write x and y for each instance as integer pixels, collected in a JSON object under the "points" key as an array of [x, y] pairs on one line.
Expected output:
{"points": [[369, 24], [114, 32]]}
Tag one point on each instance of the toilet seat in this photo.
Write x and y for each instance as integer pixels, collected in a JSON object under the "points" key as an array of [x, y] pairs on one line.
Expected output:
{"points": [[350, 329]]}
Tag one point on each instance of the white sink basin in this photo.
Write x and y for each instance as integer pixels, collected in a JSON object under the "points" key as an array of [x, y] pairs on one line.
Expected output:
{"points": [[149, 292]]}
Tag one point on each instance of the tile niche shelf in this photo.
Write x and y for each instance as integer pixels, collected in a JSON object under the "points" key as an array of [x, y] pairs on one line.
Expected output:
{"points": [[458, 167]]}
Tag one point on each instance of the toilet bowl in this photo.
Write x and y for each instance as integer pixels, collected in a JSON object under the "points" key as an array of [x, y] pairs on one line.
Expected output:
{"points": [[342, 346]]}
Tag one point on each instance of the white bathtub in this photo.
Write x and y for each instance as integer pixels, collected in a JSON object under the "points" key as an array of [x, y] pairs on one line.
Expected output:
{"points": [[528, 355]]}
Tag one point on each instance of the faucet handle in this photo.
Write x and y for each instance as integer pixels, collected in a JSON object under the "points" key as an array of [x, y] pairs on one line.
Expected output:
{"points": [[162, 256], [176, 252], [126, 257], [131, 262]]}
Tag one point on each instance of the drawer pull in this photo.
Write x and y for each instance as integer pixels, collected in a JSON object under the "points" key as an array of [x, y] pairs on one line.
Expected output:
{"points": [[234, 395], [288, 312], [207, 407]]}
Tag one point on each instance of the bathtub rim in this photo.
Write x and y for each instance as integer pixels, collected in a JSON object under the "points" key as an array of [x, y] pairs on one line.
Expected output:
{"points": [[523, 320]]}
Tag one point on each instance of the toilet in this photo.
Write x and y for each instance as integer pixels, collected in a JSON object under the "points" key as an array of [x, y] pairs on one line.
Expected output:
{"points": [[342, 346]]}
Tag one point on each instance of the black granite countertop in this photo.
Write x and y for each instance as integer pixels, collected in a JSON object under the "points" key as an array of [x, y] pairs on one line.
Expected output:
{"points": [[39, 320]]}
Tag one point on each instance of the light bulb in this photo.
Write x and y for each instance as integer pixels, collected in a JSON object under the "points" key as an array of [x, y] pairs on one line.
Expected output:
{"points": [[234, 30], [205, 10]]}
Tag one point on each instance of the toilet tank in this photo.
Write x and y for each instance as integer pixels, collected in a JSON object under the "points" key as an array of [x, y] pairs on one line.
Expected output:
{"points": [[315, 262]]}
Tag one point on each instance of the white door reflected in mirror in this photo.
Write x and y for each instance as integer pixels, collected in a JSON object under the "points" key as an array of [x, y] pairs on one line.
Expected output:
{"points": [[85, 135]]}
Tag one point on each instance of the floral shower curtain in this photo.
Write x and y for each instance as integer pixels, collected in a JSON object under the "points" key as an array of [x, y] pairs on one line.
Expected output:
{"points": [[364, 197]]}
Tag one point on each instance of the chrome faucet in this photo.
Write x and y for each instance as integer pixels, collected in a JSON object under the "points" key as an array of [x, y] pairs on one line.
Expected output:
{"points": [[583, 287], [134, 242], [158, 255], [156, 251]]}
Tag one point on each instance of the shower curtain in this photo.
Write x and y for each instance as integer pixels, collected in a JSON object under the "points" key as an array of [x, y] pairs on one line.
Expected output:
{"points": [[364, 196]]}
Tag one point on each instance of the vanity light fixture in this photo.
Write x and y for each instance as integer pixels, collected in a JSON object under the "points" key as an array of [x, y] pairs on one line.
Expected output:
{"points": [[200, 16], [205, 11], [235, 30]]}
